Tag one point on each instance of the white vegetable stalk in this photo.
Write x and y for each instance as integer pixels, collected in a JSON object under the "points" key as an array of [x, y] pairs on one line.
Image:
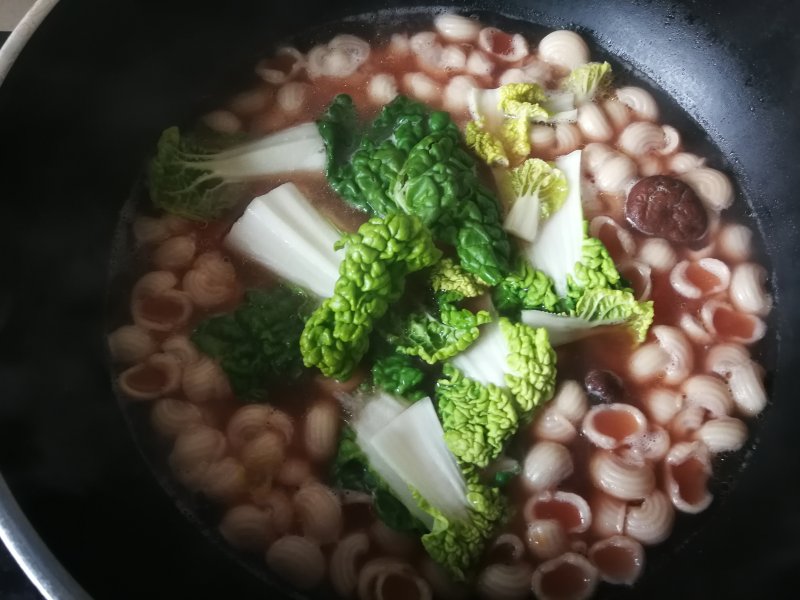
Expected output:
{"points": [[522, 219], [485, 360], [564, 329], [298, 148], [282, 231], [405, 446], [559, 244]]}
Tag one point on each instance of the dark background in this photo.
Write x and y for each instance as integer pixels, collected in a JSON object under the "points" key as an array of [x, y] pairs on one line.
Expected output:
{"points": [[98, 82]]}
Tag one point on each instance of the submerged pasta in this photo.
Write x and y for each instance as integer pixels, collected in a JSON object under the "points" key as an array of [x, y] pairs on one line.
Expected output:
{"points": [[427, 264]]}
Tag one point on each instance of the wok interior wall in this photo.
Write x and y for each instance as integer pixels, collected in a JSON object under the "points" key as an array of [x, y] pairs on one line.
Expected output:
{"points": [[84, 105]]}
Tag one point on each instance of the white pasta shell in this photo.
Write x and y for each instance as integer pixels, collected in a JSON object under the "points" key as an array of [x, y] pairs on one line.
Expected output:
{"points": [[182, 348], [564, 49], [224, 479], [570, 401], [735, 242], [542, 136], [546, 538], [247, 104], [640, 277], [611, 233], [570, 510], [610, 426], [399, 45], [648, 362], [553, 426], [345, 559], [294, 472], [658, 253], [722, 358], [651, 445], [298, 560], [593, 123], [279, 508], [672, 140], [509, 547], [321, 430], [479, 64], [505, 582], [747, 289], [594, 154], [712, 187], [204, 381], [246, 527], [319, 512], [340, 58], [513, 47], [650, 164], [170, 416], [568, 138], [616, 174], [424, 43], [708, 392], [453, 59], [651, 521], [382, 88], [421, 87], [393, 543], [264, 454], [456, 28], [687, 421], [687, 469], [717, 317], [684, 161], [377, 569], [639, 101], [293, 96], [211, 282], [247, 423], [131, 344], [694, 329], [618, 113], [193, 452], [281, 422], [662, 404], [715, 273], [222, 121], [608, 515], [514, 75], [747, 388], [278, 76], [619, 559], [159, 375], [549, 577], [641, 137], [175, 253], [457, 91], [623, 479], [546, 465], [672, 340], [151, 230], [724, 434], [156, 305]]}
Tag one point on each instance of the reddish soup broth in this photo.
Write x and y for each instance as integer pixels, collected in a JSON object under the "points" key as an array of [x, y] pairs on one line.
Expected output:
{"points": [[692, 383]]}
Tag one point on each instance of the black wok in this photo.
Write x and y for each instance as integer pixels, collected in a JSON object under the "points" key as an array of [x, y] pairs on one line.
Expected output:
{"points": [[79, 111]]}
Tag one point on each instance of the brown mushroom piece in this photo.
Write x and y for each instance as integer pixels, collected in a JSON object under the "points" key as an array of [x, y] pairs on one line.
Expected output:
{"points": [[666, 207]]}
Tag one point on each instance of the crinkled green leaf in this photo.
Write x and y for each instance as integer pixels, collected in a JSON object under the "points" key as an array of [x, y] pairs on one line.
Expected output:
{"points": [[486, 146], [525, 288], [448, 276], [457, 544], [371, 277], [532, 366], [398, 375], [535, 177], [258, 343], [600, 304]]}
